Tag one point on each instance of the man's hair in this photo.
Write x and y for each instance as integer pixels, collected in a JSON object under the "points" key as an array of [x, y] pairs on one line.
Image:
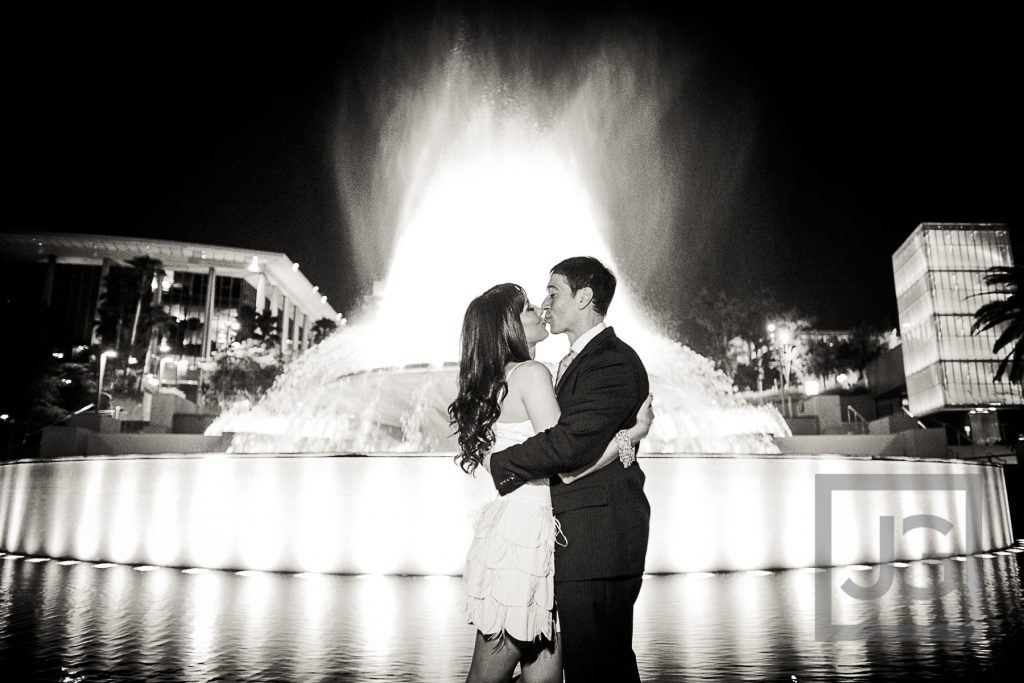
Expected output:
{"points": [[587, 271]]}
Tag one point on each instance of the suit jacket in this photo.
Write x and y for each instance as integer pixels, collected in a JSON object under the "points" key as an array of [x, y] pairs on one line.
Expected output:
{"points": [[605, 516]]}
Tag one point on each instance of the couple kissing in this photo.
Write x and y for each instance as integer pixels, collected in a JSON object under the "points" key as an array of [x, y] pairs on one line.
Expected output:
{"points": [[556, 561]]}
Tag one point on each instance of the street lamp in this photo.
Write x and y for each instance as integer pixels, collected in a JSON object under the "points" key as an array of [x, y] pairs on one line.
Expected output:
{"points": [[103, 367]]}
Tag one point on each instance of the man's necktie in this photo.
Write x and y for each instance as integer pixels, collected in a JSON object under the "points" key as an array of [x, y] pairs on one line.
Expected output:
{"points": [[563, 364]]}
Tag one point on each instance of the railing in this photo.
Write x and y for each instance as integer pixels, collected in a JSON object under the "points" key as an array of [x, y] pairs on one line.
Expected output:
{"points": [[913, 417], [88, 406], [853, 417]]}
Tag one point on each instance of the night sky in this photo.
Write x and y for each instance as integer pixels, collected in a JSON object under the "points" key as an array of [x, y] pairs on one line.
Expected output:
{"points": [[810, 145]]}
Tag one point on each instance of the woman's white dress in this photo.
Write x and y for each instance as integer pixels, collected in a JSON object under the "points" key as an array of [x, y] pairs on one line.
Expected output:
{"points": [[510, 568]]}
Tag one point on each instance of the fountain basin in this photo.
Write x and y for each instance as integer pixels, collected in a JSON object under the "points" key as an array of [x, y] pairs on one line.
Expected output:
{"points": [[411, 514]]}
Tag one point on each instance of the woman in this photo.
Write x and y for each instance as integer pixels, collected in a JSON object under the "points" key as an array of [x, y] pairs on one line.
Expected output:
{"points": [[505, 397]]}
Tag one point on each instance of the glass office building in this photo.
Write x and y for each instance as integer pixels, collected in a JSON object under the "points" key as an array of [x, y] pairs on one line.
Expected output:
{"points": [[940, 283]]}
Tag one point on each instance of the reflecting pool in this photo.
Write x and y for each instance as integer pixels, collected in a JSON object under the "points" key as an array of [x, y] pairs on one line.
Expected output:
{"points": [[80, 621]]}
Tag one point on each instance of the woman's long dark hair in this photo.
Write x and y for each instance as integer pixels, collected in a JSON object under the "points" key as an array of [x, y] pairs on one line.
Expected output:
{"points": [[492, 337]]}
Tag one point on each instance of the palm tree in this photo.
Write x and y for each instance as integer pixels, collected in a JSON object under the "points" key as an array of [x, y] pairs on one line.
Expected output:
{"points": [[1008, 311], [145, 268], [127, 299]]}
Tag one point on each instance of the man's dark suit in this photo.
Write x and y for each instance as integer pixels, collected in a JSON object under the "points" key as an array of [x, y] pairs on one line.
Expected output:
{"points": [[605, 516]]}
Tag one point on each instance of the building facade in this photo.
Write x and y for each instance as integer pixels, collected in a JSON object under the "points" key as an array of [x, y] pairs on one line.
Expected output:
{"points": [[940, 282], [199, 288]]}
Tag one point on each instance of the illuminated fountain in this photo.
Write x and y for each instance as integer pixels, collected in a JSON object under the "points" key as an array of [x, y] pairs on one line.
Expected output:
{"points": [[497, 184], [487, 181]]}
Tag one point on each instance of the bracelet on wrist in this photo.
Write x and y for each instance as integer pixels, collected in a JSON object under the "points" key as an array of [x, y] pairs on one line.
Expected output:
{"points": [[627, 456]]}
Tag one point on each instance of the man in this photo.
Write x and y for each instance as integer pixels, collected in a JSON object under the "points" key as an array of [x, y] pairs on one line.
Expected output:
{"points": [[600, 386]]}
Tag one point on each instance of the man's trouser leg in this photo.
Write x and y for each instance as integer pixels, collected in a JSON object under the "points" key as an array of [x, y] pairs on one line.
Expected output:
{"points": [[597, 629]]}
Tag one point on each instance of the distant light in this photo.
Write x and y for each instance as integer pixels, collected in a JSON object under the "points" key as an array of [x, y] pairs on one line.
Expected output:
{"points": [[5, 417], [254, 265], [323, 299], [68, 563], [132, 360], [812, 387], [104, 565], [57, 354], [164, 348], [841, 378], [36, 560], [770, 327], [901, 565], [195, 570], [337, 316], [859, 567], [295, 266], [110, 354], [758, 572], [785, 336], [65, 381], [145, 568], [316, 288], [235, 325]]}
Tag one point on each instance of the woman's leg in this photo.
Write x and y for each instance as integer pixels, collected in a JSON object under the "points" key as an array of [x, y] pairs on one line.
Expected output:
{"points": [[546, 667], [493, 661]]}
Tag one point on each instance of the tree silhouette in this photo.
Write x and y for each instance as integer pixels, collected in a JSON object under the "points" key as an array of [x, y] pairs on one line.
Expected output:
{"points": [[1009, 311], [323, 328]]}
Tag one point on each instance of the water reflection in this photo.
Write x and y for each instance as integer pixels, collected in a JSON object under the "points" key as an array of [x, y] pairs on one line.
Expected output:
{"points": [[78, 621]]}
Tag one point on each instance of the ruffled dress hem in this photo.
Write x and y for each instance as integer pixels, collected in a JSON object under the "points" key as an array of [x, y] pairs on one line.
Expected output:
{"points": [[509, 573]]}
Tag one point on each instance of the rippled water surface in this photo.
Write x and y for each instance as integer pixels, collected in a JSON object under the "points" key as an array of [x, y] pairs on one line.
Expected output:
{"points": [[86, 622]]}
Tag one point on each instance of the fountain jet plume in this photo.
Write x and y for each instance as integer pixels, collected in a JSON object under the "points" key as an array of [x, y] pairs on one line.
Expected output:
{"points": [[486, 174]]}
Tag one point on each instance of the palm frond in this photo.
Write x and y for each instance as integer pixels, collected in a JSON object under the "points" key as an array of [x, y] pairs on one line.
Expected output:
{"points": [[1014, 332], [995, 313], [1017, 364], [1009, 311]]}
